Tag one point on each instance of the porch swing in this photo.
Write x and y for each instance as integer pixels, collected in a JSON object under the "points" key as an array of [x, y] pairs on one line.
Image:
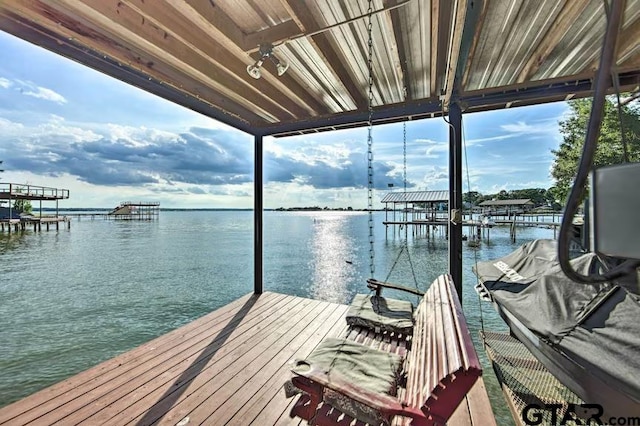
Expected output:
{"points": [[392, 364]]}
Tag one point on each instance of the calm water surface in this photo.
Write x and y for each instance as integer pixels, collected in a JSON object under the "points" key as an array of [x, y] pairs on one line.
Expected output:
{"points": [[70, 299]]}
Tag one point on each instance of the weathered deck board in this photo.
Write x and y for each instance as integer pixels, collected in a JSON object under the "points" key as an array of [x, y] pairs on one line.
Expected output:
{"points": [[227, 367]]}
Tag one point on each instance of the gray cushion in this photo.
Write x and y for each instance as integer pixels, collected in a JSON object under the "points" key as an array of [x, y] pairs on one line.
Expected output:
{"points": [[379, 313], [368, 368]]}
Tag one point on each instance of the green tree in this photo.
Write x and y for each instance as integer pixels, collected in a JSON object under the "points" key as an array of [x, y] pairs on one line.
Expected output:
{"points": [[610, 147], [21, 205], [471, 197]]}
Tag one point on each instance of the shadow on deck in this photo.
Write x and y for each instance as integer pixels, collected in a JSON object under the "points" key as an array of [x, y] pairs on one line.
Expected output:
{"points": [[227, 367]]}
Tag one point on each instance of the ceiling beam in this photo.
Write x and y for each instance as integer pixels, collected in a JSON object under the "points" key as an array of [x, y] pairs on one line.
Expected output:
{"points": [[144, 37], [474, 44], [482, 100], [401, 48], [568, 15], [231, 68], [274, 35], [331, 57], [441, 28], [226, 28], [199, 15], [462, 35], [34, 32], [381, 115]]}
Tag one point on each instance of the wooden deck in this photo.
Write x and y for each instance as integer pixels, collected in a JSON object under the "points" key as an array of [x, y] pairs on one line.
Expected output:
{"points": [[227, 367]]}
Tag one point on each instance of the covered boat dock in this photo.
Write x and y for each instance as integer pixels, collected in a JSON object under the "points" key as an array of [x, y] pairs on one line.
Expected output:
{"points": [[280, 68], [10, 219]]}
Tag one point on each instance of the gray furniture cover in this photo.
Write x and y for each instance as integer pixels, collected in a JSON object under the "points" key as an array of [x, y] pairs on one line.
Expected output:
{"points": [[595, 326]]}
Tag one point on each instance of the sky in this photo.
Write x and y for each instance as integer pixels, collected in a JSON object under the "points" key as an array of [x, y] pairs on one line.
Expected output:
{"points": [[64, 125]]}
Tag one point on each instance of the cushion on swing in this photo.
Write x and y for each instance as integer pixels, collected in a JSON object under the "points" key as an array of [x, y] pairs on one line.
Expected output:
{"points": [[369, 368], [380, 313]]}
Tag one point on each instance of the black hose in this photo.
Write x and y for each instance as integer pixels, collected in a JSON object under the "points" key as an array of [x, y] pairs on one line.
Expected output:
{"points": [[602, 84]]}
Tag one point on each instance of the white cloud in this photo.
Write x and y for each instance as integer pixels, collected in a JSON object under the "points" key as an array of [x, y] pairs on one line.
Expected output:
{"points": [[521, 127], [489, 139], [4, 83], [429, 141], [46, 94]]}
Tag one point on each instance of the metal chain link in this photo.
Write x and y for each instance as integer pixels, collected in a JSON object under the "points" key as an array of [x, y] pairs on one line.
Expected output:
{"points": [[370, 142], [404, 157]]}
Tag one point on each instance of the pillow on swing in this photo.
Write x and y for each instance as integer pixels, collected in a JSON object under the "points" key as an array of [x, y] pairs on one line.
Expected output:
{"points": [[368, 368], [380, 313]]}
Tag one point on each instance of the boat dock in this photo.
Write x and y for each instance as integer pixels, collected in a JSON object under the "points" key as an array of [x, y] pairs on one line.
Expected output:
{"points": [[140, 210], [12, 220], [35, 222], [228, 367]]}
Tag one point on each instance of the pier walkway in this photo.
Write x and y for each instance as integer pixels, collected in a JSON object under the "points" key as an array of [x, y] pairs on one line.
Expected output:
{"points": [[227, 367]]}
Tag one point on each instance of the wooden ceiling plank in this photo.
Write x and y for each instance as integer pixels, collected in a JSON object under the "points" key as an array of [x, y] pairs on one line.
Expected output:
{"points": [[286, 84], [323, 45], [274, 35], [454, 48], [140, 33], [192, 36], [441, 27], [401, 50], [435, 21], [218, 19], [567, 16], [58, 21]]}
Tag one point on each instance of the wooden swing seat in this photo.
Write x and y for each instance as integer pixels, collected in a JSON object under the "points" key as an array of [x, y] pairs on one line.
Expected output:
{"points": [[441, 367]]}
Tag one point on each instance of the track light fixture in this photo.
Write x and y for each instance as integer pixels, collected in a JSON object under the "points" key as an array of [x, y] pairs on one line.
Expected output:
{"points": [[266, 52]]}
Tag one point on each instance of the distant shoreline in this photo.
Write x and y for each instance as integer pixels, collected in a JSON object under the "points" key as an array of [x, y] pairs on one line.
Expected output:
{"points": [[169, 209]]}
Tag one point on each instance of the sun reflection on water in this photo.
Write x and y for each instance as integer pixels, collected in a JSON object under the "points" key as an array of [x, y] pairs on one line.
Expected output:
{"points": [[332, 263]]}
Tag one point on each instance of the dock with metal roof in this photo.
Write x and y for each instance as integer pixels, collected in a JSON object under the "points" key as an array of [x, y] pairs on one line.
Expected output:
{"points": [[285, 67]]}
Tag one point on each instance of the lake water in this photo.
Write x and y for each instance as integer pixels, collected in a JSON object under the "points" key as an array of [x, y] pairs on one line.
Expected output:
{"points": [[72, 298]]}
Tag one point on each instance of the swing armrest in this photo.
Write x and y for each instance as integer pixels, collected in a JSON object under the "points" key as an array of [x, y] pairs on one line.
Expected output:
{"points": [[376, 285]]}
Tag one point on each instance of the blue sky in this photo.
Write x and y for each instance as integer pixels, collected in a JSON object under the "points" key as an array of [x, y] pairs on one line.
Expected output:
{"points": [[67, 126]]}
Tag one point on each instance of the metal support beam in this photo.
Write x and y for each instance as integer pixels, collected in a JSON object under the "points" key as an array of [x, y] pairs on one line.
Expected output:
{"points": [[455, 196], [257, 216]]}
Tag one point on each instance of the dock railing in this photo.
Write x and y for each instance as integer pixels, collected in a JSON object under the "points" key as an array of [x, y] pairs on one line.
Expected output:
{"points": [[31, 192]]}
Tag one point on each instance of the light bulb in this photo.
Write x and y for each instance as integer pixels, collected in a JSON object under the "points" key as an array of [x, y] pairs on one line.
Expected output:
{"points": [[282, 67], [254, 71]]}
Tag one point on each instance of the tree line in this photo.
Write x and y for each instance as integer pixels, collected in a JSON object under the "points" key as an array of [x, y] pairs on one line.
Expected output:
{"points": [[539, 196]]}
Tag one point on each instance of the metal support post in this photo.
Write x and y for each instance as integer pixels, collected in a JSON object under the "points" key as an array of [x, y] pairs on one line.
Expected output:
{"points": [[455, 196], [258, 216]]}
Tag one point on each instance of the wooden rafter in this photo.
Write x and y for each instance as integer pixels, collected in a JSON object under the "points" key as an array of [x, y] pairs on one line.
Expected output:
{"points": [[474, 45], [141, 35], [454, 48], [322, 43], [218, 19], [440, 27], [274, 35], [212, 55], [568, 15], [75, 27], [199, 15], [401, 48]]}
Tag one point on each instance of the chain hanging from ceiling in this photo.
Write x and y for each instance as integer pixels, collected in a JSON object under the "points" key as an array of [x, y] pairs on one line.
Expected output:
{"points": [[370, 141]]}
